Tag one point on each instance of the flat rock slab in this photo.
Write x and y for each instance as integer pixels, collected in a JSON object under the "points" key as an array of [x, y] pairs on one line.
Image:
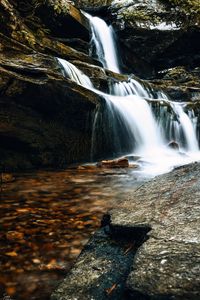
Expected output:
{"points": [[160, 256], [100, 271], [168, 263]]}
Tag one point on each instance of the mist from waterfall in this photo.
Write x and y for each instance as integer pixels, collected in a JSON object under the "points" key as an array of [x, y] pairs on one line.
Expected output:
{"points": [[138, 128]]}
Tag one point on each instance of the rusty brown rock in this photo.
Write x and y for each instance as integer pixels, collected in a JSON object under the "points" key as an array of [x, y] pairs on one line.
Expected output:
{"points": [[115, 163]]}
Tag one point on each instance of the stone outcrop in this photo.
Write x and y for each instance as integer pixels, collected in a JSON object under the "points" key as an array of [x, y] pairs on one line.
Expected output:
{"points": [[93, 5], [43, 115], [32, 84], [156, 34], [160, 222], [46, 119]]}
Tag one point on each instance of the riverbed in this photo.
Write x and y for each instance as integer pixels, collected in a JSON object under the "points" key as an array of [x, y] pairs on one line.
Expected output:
{"points": [[46, 219]]}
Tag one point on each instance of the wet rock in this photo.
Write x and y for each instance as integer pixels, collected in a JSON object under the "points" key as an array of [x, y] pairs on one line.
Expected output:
{"points": [[167, 264], [115, 163], [93, 5], [43, 115], [94, 275], [64, 19], [162, 219], [154, 34], [173, 145], [100, 77], [179, 83], [87, 167]]}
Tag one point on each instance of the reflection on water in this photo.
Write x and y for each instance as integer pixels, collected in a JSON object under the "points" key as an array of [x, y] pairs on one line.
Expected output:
{"points": [[45, 220]]}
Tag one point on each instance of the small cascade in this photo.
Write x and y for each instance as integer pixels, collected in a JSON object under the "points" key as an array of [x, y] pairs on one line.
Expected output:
{"points": [[134, 111], [187, 127], [75, 74], [131, 87], [103, 39]]}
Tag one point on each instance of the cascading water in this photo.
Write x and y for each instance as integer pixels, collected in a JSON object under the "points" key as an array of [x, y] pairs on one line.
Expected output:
{"points": [[75, 74], [103, 38], [137, 125], [137, 113], [187, 127]]}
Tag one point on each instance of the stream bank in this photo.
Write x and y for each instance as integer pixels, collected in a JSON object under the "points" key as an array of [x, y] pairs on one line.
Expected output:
{"points": [[148, 247]]}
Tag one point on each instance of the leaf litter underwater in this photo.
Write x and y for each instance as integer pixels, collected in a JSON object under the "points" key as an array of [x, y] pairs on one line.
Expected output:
{"points": [[46, 218]]}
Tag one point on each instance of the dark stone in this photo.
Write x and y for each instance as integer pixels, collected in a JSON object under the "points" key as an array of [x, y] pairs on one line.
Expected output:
{"points": [[173, 145], [44, 117], [154, 35]]}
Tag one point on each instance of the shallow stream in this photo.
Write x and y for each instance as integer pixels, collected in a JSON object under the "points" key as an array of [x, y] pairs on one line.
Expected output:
{"points": [[46, 218]]}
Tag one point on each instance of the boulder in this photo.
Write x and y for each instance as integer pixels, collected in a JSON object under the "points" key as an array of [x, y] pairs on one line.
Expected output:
{"points": [[173, 145], [64, 19]]}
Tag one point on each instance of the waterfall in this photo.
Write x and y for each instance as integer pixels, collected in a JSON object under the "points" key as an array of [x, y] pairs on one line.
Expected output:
{"points": [[139, 120], [138, 125], [187, 127], [103, 38]]}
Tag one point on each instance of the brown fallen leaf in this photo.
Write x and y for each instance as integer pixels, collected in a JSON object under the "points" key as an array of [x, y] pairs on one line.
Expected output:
{"points": [[14, 235], [110, 290], [12, 254]]}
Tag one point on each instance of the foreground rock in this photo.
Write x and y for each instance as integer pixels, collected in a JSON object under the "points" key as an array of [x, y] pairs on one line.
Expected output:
{"points": [[164, 216]]}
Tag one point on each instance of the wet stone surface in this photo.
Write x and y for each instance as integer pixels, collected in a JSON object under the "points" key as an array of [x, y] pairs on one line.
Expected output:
{"points": [[101, 270], [163, 216]]}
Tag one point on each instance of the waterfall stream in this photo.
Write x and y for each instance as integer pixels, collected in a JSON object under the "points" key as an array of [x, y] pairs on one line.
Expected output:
{"points": [[105, 51], [146, 133]]}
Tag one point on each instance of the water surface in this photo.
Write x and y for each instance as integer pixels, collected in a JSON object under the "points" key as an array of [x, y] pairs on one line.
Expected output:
{"points": [[46, 218]]}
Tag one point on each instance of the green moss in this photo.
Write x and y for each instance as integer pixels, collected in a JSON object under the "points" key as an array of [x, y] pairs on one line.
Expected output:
{"points": [[187, 9]]}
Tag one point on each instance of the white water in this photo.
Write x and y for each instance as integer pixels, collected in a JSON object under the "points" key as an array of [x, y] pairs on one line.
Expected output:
{"points": [[147, 137], [188, 128], [103, 38], [75, 74]]}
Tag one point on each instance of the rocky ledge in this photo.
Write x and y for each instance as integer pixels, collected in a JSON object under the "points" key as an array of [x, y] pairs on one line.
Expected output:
{"points": [[148, 248]]}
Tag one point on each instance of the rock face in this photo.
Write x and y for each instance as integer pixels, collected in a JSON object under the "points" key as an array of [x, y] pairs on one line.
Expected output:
{"points": [[46, 120], [163, 215], [93, 5], [43, 115], [156, 33]]}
